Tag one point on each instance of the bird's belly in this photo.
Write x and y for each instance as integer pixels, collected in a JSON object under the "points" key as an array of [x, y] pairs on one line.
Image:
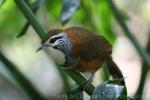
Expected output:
{"points": [[57, 56]]}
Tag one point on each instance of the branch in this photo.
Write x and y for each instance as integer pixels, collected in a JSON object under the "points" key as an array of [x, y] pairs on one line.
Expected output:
{"points": [[34, 7], [77, 77], [145, 56], [144, 73], [32, 20]]}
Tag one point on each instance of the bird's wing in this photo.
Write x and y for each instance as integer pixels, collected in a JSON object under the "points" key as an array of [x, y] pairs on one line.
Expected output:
{"points": [[87, 45]]}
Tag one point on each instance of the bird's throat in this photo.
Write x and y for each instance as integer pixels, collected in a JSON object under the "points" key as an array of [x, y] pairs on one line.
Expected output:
{"points": [[57, 55]]}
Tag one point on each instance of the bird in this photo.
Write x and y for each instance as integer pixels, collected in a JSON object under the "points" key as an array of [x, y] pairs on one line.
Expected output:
{"points": [[80, 49]]}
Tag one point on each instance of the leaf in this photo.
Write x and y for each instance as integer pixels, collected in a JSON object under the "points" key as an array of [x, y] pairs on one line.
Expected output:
{"points": [[110, 90], [105, 17], [68, 9], [104, 73], [115, 81], [2, 2], [23, 30], [53, 11]]}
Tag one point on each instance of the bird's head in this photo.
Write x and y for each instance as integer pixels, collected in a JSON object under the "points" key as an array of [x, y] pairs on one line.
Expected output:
{"points": [[56, 39], [57, 44]]}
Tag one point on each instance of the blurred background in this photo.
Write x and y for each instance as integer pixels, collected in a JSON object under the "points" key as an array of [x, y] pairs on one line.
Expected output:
{"points": [[92, 14]]}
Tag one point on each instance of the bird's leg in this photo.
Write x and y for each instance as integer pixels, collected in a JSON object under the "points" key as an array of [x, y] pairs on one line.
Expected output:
{"points": [[88, 82]]}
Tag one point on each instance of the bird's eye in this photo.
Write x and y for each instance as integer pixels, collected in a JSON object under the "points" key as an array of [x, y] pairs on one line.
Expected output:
{"points": [[54, 39]]}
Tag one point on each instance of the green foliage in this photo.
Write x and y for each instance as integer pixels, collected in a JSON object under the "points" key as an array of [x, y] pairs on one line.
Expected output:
{"points": [[2, 2], [105, 19], [10, 21], [53, 7], [96, 15]]}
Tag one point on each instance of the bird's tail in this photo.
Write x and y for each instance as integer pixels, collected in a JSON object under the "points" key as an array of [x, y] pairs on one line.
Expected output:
{"points": [[114, 70]]}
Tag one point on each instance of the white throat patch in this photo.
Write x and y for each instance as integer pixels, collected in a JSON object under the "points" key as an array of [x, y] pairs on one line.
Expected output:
{"points": [[57, 56]]}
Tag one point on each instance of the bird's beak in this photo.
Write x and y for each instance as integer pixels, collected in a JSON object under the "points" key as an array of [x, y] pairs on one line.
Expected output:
{"points": [[42, 46]]}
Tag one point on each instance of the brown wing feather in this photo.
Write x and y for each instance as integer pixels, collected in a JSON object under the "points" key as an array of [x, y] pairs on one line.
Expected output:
{"points": [[88, 45]]}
